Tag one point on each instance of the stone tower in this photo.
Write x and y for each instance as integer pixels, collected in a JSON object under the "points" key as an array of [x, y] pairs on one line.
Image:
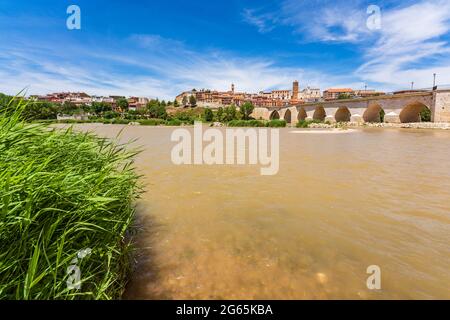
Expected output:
{"points": [[232, 88], [295, 90]]}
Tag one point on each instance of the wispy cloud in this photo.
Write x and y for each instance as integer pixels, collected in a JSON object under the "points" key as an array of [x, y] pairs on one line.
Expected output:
{"points": [[159, 68], [263, 22], [316, 20], [410, 46]]}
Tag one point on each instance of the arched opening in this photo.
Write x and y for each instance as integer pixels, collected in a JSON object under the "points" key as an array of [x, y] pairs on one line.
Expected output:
{"points": [[319, 114], [374, 113], [342, 115], [415, 112], [287, 116], [302, 114], [274, 115]]}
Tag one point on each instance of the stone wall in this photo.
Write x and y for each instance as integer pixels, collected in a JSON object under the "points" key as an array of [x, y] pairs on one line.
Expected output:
{"points": [[441, 106], [397, 108]]}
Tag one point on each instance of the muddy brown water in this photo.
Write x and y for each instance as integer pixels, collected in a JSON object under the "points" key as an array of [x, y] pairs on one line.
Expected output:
{"points": [[340, 203]]}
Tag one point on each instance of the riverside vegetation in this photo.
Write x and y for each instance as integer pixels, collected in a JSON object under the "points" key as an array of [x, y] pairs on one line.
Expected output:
{"points": [[62, 192], [156, 113]]}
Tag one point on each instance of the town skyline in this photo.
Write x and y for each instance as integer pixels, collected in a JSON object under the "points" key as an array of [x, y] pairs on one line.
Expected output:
{"points": [[212, 98], [159, 51]]}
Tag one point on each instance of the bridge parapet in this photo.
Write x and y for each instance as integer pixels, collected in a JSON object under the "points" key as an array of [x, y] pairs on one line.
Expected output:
{"points": [[396, 108]]}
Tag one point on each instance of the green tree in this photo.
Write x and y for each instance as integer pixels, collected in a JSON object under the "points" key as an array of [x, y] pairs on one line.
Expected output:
{"points": [[184, 102], [192, 101], [246, 110], [68, 108], [156, 109], [208, 115], [122, 103], [230, 113], [175, 103], [382, 114], [219, 114], [40, 110], [342, 96], [425, 115], [100, 107]]}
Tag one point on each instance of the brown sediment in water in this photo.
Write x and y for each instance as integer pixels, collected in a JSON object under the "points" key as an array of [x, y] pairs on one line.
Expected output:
{"points": [[340, 203]]}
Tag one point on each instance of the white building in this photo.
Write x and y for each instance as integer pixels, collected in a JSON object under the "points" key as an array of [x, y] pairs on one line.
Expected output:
{"points": [[102, 99], [310, 94]]}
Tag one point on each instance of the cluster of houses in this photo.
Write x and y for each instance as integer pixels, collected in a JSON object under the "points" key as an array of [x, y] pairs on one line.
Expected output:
{"points": [[81, 98], [275, 98], [215, 99]]}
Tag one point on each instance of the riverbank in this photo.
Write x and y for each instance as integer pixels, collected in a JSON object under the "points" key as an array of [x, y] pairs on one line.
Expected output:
{"points": [[415, 125], [66, 204]]}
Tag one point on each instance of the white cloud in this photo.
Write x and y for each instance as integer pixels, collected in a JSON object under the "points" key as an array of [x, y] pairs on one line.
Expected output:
{"points": [[263, 22], [158, 68], [410, 47], [315, 20]]}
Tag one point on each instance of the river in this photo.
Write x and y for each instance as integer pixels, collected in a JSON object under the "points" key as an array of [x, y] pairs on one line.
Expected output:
{"points": [[340, 203]]}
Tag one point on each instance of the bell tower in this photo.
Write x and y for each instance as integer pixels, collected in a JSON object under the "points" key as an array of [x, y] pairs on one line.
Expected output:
{"points": [[295, 90]]}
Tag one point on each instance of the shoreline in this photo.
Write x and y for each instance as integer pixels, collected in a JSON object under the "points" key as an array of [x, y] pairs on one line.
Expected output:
{"points": [[343, 126], [383, 125]]}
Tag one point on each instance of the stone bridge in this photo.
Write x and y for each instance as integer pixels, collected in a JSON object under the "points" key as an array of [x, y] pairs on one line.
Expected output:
{"points": [[398, 108]]}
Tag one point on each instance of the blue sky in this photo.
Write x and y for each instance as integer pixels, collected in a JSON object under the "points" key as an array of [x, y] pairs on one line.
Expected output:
{"points": [[159, 48]]}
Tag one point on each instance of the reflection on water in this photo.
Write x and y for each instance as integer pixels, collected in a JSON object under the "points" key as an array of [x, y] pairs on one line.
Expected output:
{"points": [[340, 203]]}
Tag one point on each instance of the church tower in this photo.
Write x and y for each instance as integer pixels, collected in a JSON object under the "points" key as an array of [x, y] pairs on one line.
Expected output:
{"points": [[295, 90]]}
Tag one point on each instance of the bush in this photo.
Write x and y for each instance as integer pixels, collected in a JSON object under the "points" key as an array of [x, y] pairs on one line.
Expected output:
{"points": [[276, 123], [307, 123], [425, 115], [120, 121], [152, 122], [62, 192], [111, 115], [208, 115], [174, 122], [189, 116], [246, 123]]}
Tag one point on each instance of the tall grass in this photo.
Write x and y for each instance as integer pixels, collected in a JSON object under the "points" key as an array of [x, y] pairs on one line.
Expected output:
{"points": [[62, 192]]}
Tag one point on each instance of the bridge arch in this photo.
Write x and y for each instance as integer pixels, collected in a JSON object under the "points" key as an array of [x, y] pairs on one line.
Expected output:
{"points": [[342, 115], [374, 113], [412, 111], [288, 116], [274, 115], [302, 115], [319, 113]]}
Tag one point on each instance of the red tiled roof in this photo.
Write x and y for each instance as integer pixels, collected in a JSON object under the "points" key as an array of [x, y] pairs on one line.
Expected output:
{"points": [[339, 90]]}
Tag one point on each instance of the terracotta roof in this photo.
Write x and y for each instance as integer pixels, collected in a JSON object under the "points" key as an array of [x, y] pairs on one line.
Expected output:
{"points": [[340, 90]]}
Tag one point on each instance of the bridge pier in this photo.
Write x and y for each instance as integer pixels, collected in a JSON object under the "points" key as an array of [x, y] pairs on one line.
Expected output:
{"points": [[396, 108]]}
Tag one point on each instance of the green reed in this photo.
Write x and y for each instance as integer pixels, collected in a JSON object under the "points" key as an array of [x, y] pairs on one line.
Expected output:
{"points": [[61, 192]]}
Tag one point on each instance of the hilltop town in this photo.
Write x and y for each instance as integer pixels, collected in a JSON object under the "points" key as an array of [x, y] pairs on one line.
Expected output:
{"points": [[214, 99]]}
